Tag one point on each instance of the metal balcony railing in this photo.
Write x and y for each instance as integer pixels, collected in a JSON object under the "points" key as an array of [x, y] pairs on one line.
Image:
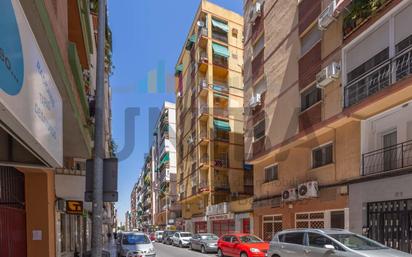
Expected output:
{"points": [[378, 78], [387, 159], [220, 61]]}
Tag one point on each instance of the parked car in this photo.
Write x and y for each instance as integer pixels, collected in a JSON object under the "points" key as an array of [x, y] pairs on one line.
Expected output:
{"points": [[135, 243], [330, 242], [243, 245], [181, 239], [158, 235], [204, 242], [167, 236]]}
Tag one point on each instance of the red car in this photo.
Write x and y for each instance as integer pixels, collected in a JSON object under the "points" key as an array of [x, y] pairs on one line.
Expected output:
{"points": [[241, 245], [152, 237]]}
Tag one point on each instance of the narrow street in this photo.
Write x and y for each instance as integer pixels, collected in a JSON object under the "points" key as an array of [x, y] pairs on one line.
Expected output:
{"points": [[163, 250]]}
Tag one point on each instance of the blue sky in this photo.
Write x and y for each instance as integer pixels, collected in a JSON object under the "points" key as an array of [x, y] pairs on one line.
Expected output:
{"points": [[148, 36]]}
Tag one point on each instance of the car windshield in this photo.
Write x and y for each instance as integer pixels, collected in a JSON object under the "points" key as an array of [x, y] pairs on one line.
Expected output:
{"points": [[186, 234], [250, 239], [135, 239], [209, 237], [356, 242]]}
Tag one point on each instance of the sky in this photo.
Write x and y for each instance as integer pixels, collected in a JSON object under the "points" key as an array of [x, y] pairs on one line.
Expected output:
{"points": [[148, 36]]}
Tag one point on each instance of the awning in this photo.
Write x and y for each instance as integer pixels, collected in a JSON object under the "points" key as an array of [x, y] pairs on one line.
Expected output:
{"points": [[220, 50], [178, 69], [221, 125], [191, 41], [193, 38], [220, 88], [164, 159], [220, 25]]}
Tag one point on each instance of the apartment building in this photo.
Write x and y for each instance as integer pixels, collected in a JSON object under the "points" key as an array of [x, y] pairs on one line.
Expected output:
{"points": [[209, 92], [326, 85], [46, 126], [164, 158], [133, 205]]}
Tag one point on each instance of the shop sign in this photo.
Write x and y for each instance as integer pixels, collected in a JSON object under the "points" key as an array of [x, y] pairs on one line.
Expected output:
{"points": [[228, 216], [74, 207], [30, 103]]}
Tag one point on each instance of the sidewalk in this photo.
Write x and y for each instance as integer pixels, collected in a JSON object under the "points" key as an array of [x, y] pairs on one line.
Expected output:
{"points": [[111, 247]]}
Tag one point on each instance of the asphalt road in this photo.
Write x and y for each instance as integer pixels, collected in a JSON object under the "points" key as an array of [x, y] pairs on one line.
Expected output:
{"points": [[173, 251]]}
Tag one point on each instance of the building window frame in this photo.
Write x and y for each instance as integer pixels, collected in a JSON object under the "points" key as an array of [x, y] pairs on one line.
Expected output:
{"points": [[306, 102], [324, 161], [271, 177], [261, 135]]}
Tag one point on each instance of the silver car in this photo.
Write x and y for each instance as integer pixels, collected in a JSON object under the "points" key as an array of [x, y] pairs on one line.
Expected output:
{"points": [[135, 244], [204, 242], [332, 242], [181, 239]]}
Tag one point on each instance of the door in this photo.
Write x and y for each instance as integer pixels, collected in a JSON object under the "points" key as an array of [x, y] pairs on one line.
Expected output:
{"points": [[246, 226], [12, 213], [225, 244], [390, 223], [390, 151], [292, 244], [316, 246], [195, 242]]}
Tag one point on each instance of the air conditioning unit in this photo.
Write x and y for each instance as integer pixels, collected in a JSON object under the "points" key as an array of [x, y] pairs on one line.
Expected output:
{"points": [[289, 195], [328, 74], [327, 16], [200, 24], [61, 205], [190, 140], [308, 190], [255, 100], [255, 12]]}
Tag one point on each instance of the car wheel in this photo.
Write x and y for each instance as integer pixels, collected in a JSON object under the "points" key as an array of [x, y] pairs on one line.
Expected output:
{"points": [[190, 246], [220, 253], [180, 244], [243, 255], [203, 249]]}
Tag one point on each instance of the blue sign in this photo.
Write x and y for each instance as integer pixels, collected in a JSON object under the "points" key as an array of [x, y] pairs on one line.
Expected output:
{"points": [[11, 53]]}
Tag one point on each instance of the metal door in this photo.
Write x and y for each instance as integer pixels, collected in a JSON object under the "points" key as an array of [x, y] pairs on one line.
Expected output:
{"points": [[12, 213], [390, 223]]}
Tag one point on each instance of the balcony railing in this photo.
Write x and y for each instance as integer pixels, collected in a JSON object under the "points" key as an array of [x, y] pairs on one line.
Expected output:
{"points": [[379, 78], [221, 112], [387, 159], [220, 61], [220, 208], [194, 190]]}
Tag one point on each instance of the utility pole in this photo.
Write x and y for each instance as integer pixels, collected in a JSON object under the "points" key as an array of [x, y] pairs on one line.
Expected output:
{"points": [[97, 239]]}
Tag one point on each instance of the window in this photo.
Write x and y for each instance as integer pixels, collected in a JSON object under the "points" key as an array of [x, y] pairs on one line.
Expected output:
{"points": [[293, 238], [310, 97], [322, 156], [259, 46], [309, 40], [259, 130], [271, 173], [319, 241], [310, 220]]}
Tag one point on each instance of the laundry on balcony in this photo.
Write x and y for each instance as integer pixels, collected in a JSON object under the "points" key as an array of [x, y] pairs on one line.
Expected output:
{"points": [[221, 125], [220, 50]]}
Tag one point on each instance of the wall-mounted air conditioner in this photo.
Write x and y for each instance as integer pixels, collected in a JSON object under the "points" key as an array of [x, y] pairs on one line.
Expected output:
{"points": [[327, 16], [289, 195], [328, 74], [255, 101], [308, 190]]}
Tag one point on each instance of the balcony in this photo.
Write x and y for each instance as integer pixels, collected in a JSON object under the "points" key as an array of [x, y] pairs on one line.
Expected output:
{"points": [[204, 161], [380, 77], [203, 186], [221, 208], [203, 111], [359, 12], [220, 30], [203, 33], [387, 159], [203, 87], [203, 61], [194, 190]]}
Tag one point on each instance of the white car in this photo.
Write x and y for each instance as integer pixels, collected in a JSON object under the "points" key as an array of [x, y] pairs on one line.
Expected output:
{"points": [[181, 239], [132, 244]]}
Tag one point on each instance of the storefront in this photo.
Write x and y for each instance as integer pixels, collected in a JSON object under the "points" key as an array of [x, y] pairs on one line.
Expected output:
{"points": [[199, 224], [382, 210], [329, 210], [31, 139], [222, 224]]}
